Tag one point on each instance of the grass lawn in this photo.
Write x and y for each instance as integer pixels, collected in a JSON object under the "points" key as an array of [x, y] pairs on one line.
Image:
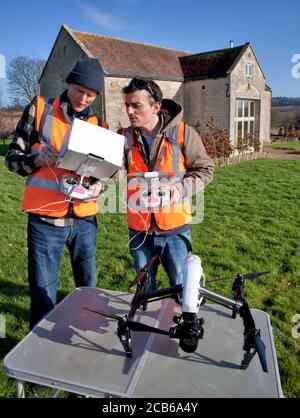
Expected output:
{"points": [[290, 145], [251, 224]]}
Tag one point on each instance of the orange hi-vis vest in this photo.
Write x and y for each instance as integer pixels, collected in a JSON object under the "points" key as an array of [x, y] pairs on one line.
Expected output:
{"points": [[42, 191], [170, 159]]}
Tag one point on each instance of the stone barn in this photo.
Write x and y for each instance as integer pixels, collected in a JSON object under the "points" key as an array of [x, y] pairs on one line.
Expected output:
{"points": [[228, 84]]}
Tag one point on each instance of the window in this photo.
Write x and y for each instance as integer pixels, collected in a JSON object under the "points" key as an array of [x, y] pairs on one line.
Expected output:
{"points": [[248, 70], [244, 118]]}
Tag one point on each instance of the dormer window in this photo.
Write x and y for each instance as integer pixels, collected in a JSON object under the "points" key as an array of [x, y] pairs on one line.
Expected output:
{"points": [[248, 70]]}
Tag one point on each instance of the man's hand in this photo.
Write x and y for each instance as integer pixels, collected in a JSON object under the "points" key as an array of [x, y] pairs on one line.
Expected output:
{"points": [[96, 188], [47, 156], [174, 189]]}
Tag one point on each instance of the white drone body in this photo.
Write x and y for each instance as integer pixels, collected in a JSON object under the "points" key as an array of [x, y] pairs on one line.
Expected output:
{"points": [[192, 274]]}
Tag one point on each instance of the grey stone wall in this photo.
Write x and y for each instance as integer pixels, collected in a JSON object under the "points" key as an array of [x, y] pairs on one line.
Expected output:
{"points": [[206, 98], [64, 55]]}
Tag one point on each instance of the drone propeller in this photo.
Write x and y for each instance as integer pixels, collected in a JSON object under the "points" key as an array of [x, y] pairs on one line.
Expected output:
{"points": [[107, 314], [249, 276], [132, 325], [143, 272], [252, 276]]}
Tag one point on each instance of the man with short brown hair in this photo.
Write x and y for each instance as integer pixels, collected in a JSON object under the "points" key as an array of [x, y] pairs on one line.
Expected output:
{"points": [[160, 145]]}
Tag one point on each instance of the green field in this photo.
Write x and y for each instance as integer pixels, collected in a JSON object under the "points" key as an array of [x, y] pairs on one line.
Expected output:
{"points": [[251, 224], [290, 145]]}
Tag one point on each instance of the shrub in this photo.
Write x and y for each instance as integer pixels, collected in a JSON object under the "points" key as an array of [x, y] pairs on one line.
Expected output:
{"points": [[216, 141]]}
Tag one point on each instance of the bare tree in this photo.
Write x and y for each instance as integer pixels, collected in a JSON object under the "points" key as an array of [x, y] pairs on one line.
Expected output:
{"points": [[23, 75]]}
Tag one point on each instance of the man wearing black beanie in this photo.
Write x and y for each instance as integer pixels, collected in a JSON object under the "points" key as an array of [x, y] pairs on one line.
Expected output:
{"points": [[53, 219]]}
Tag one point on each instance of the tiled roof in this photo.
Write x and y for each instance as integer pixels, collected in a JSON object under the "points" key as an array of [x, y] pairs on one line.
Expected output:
{"points": [[212, 64], [126, 58], [123, 58]]}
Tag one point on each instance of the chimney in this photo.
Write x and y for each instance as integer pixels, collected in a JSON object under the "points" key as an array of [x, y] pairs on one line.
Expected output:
{"points": [[231, 44]]}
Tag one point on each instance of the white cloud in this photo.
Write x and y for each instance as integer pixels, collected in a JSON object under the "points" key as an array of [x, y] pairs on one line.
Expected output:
{"points": [[106, 20], [296, 67]]}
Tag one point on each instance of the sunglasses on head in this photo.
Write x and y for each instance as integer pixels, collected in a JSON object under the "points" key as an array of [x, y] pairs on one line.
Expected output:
{"points": [[143, 85]]}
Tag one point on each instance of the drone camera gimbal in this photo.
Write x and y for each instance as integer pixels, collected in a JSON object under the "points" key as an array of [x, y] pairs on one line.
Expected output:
{"points": [[188, 331]]}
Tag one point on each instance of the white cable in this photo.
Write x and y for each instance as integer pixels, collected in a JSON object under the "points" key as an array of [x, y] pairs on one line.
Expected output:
{"points": [[144, 222], [134, 236], [55, 176], [48, 204]]}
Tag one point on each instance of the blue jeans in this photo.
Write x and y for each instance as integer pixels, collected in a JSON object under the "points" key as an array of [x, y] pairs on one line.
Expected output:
{"points": [[172, 251], [45, 246]]}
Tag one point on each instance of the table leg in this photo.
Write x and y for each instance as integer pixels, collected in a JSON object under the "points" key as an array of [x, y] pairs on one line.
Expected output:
{"points": [[20, 389]]}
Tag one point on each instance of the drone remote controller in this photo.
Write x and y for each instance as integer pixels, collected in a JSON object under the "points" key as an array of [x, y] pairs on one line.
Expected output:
{"points": [[74, 185], [149, 194], [75, 188], [154, 197]]}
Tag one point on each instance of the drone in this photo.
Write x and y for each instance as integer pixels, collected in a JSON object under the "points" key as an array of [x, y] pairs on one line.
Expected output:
{"points": [[188, 328]]}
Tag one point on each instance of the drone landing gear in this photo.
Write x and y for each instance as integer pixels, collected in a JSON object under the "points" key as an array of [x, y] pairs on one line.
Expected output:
{"points": [[235, 311], [246, 360], [124, 336], [251, 350], [253, 344], [142, 281], [143, 287]]}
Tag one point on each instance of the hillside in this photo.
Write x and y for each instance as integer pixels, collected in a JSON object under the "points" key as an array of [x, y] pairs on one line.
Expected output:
{"points": [[285, 115], [285, 101], [285, 111]]}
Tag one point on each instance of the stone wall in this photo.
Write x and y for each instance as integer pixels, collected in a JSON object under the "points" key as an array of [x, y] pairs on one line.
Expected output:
{"points": [[206, 98], [63, 57]]}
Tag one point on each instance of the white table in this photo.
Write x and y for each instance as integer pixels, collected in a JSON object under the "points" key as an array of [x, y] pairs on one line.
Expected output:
{"points": [[78, 351]]}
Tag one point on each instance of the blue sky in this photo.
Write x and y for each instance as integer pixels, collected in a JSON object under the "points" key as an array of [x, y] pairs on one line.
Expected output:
{"points": [[30, 28]]}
